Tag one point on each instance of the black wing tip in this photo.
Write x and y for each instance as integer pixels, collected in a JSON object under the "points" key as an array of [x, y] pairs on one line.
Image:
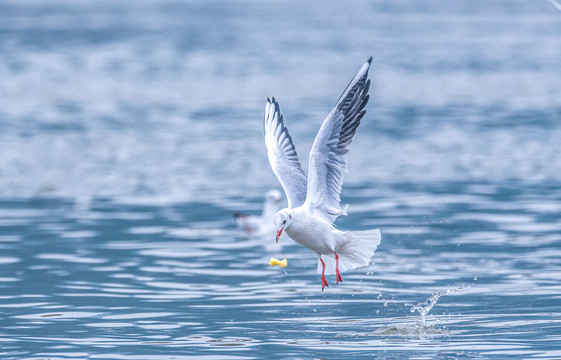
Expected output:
{"points": [[274, 102], [265, 117], [368, 63]]}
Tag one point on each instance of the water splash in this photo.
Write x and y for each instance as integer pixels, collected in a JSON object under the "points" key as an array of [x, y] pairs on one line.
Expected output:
{"points": [[421, 327], [424, 307]]}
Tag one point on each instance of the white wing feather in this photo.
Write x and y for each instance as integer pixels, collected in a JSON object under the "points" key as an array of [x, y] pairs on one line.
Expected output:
{"points": [[282, 155], [328, 157]]}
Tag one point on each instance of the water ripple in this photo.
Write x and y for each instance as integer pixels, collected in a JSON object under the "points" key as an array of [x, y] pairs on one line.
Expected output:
{"points": [[131, 133]]}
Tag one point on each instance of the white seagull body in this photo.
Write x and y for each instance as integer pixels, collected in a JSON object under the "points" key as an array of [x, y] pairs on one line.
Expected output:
{"points": [[314, 201], [260, 225]]}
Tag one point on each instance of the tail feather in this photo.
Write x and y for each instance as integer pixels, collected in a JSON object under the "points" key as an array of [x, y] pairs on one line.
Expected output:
{"points": [[354, 253]]}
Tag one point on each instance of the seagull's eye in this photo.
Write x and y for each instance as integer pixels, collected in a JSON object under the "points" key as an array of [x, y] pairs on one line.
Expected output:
{"points": [[284, 222]]}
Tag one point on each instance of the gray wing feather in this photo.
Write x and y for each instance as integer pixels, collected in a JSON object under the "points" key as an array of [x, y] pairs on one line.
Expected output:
{"points": [[328, 157], [282, 155]]}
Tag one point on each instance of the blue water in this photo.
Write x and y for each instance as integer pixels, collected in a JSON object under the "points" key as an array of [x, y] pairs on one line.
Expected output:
{"points": [[131, 131]]}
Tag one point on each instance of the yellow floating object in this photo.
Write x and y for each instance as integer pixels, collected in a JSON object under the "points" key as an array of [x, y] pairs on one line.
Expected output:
{"points": [[275, 262]]}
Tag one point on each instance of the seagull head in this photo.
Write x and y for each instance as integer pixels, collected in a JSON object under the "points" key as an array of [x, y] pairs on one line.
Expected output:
{"points": [[282, 220], [273, 196]]}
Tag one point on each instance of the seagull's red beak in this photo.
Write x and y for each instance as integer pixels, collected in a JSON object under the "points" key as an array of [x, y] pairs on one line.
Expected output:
{"points": [[279, 233]]}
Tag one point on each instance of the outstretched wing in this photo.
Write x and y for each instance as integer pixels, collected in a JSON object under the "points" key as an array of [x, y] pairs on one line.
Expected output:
{"points": [[328, 157], [282, 155]]}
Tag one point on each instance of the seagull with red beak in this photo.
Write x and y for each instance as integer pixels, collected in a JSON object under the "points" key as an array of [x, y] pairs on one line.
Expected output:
{"points": [[280, 225], [314, 200]]}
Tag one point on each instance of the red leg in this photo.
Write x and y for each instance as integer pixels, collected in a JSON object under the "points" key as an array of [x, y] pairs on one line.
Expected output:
{"points": [[323, 280], [337, 273]]}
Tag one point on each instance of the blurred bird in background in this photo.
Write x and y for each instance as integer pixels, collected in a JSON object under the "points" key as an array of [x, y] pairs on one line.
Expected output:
{"points": [[262, 224]]}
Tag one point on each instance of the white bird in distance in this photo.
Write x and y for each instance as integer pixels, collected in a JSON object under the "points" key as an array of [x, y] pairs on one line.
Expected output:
{"points": [[314, 200], [260, 225]]}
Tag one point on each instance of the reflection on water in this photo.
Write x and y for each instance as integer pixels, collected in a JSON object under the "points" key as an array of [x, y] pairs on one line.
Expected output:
{"points": [[131, 132]]}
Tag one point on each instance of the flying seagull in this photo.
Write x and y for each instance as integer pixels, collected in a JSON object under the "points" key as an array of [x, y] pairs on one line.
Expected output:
{"points": [[314, 200]]}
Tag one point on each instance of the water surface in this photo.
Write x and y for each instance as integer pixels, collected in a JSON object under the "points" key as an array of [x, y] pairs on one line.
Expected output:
{"points": [[130, 133]]}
